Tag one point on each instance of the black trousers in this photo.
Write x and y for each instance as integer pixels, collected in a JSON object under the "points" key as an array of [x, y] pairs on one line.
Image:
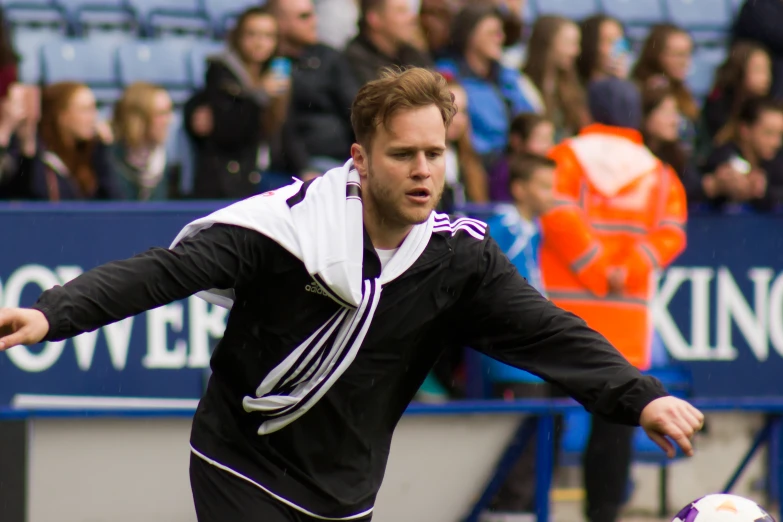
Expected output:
{"points": [[606, 468], [220, 496]]}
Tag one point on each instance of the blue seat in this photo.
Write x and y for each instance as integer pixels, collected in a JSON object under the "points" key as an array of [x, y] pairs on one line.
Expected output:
{"points": [[708, 21], [28, 43], [35, 13], [702, 73], [172, 142], [85, 15], [635, 12], [159, 17], [83, 61], [197, 61], [161, 62], [575, 9], [222, 13]]}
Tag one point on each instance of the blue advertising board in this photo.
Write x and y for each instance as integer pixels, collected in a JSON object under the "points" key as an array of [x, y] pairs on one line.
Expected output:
{"points": [[163, 353], [719, 308]]}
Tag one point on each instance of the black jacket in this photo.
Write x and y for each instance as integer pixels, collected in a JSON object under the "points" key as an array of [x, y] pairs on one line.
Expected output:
{"points": [[323, 89], [228, 158], [367, 60], [461, 291], [759, 21]]}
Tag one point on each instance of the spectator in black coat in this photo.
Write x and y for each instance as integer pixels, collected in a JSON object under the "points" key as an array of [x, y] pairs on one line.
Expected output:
{"points": [[760, 21], [386, 30], [239, 121], [322, 87]]}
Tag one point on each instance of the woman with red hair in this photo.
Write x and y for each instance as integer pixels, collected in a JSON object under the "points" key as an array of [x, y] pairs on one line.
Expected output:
{"points": [[71, 161]]}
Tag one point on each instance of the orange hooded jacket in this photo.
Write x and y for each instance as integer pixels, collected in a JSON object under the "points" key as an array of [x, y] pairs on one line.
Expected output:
{"points": [[617, 207]]}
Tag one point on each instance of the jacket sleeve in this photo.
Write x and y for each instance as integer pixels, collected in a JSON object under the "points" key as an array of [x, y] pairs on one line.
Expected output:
{"points": [[219, 257], [510, 321], [666, 241], [566, 230]]}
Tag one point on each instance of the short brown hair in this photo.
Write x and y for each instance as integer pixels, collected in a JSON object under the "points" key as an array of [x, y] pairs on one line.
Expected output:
{"points": [[521, 167], [397, 90]]}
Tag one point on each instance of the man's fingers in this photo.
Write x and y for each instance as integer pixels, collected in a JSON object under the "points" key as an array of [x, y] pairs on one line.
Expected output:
{"points": [[695, 418], [662, 442], [681, 439], [9, 341]]}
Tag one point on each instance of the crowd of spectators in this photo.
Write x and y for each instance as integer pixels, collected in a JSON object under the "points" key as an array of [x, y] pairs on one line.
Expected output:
{"points": [[276, 103]]}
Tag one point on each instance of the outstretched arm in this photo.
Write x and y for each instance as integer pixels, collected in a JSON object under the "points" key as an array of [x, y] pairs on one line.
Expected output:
{"points": [[512, 322], [219, 257]]}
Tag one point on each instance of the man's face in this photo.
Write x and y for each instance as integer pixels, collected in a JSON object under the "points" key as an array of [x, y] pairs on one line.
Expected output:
{"points": [[537, 193], [396, 21], [403, 174], [767, 134], [298, 23]]}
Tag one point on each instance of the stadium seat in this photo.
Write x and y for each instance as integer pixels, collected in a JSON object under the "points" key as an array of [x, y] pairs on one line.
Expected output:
{"points": [[223, 12], [104, 15], [172, 142], [708, 21], [635, 12], [35, 13], [529, 12], [161, 62], [197, 61], [83, 61], [27, 43], [159, 17], [702, 73], [577, 10]]}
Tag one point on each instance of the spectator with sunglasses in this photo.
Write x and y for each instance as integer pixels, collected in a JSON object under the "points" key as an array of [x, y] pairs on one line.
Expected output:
{"points": [[322, 87]]}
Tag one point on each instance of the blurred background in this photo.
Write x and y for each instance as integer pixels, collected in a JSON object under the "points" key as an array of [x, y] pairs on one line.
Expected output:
{"points": [[122, 120]]}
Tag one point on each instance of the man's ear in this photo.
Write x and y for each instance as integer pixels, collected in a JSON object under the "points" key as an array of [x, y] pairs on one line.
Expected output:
{"points": [[360, 159]]}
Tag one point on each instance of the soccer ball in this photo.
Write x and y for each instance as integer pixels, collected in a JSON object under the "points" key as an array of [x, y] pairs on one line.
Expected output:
{"points": [[723, 508]]}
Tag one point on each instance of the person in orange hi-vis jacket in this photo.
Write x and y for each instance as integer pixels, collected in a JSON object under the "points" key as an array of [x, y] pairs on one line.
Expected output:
{"points": [[620, 215]]}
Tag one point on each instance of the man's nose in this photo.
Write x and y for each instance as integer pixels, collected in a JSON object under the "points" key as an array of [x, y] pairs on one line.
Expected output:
{"points": [[421, 166]]}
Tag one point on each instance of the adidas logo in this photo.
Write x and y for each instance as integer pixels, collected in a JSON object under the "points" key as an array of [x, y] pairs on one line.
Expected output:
{"points": [[315, 288]]}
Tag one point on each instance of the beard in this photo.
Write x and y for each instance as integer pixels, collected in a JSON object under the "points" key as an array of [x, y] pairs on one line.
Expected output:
{"points": [[391, 204]]}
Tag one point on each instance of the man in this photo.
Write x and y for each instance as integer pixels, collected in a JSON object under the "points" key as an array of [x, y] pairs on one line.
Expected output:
{"points": [[297, 421], [322, 86], [386, 30], [617, 218]]}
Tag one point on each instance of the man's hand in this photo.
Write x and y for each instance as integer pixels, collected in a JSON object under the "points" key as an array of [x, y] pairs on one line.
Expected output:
{"points": [[673, 418], [21, 326]]}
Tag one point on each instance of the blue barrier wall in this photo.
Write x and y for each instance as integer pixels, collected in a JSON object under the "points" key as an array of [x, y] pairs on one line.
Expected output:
{"points": [[719, 309]]}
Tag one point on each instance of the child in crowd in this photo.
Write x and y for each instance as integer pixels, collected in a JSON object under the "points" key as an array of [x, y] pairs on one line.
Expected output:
{"points": [[529, 133], [517, 232]]}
